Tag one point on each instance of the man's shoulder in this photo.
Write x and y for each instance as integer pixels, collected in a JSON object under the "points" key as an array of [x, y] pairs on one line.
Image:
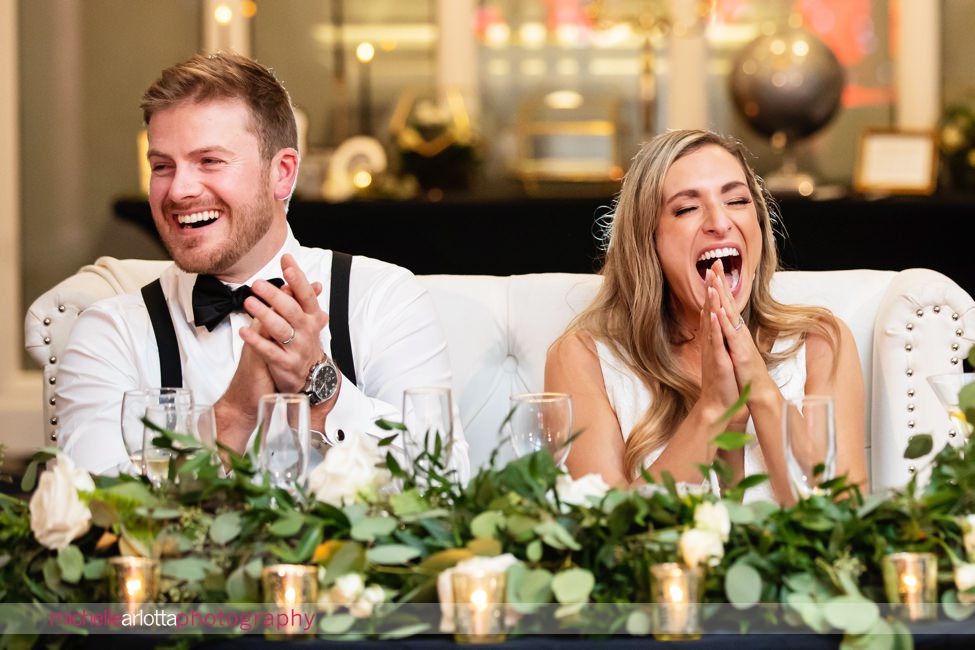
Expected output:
{"points": [[317, 263]]}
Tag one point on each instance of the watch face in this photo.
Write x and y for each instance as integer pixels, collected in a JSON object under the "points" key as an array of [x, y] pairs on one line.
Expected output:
{"points": [[324, 381]]}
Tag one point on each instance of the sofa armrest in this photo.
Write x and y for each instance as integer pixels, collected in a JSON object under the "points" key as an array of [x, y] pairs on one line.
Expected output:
{"points": [[925, 326]]}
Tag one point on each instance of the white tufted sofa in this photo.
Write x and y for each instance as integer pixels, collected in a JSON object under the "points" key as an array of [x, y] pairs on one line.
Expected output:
{"points": [[908, 325]]}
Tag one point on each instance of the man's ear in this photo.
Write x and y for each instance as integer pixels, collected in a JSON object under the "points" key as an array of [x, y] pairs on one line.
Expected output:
{"points": [[284, 172]]}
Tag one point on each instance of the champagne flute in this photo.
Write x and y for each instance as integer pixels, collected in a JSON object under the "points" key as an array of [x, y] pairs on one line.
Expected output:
{"points": [[428, 417], [134, 405], [541, 421], [809, 434], [284, 424], [947, 387]]}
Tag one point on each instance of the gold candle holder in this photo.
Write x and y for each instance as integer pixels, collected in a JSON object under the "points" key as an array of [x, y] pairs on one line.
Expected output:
{"points": [[911, 583], [291, 587], [134, 580], [675, 590], [479, 599]]}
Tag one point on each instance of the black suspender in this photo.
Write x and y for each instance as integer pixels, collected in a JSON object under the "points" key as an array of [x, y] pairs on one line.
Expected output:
{"points": [[338, 314], [170, 367]]}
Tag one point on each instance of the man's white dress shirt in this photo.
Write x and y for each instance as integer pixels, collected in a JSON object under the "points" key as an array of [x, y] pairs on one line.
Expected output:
{"points": [[397, 343]]}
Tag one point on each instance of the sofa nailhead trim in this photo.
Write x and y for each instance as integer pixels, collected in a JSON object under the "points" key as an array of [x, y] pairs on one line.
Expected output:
{"points": [[910, 408], [910, 373], [952, 433], [919, 313], [910, 424], [911, 469], [908, 347], [47, 321], [53, 359], [954, 317], [61, 308], [936, 309], [954, 361], [54, 420], [954, 347], [52, 380], [959, 332], [910, 392], [910, 326], [54, 436]]}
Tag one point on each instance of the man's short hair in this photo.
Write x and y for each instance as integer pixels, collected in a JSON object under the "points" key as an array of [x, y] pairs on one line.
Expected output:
{"points": [[226, 75]]}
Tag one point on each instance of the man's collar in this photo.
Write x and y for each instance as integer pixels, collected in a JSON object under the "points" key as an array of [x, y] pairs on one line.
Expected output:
{"points": [[185, 281]]}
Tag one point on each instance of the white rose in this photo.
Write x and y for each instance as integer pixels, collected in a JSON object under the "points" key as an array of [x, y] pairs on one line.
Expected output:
{"points": [[346, 589], [371, 596], [697, 546], [581, 491], [351, 471], [713, 517], [445, 585], [57, 514], [965, 580]]}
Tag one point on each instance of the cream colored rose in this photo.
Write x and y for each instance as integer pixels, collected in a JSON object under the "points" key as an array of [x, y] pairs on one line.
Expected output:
{"points": [[352, 471], [57, 514], [371, 596], [965, 580], [581, 491], [713, 517], [699, 546], [967, 524], [346, 589]]}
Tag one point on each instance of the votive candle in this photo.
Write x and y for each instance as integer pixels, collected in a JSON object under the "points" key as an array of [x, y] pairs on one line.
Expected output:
{"points": [[479, 606], [134, 580], [291, 587], [675, 592], [911, 583]]}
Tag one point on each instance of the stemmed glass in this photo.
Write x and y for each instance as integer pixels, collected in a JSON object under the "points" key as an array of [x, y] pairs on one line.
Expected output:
{"points": [[429, 421], [809, 434], [947, 387], [166, 407], [284, 424], [541, 421]]}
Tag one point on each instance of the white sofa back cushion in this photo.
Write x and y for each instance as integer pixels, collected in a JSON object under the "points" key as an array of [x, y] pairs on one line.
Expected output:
{"points": [[908, 325]]}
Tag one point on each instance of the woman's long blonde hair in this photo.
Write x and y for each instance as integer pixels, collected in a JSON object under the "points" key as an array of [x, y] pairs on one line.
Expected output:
{"points": [[633, 314]]}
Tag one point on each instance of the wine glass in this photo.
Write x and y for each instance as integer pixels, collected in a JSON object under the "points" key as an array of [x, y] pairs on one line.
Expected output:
{"points": [[284, 424], [541, 421], [809, 434], [428, 417], [134, 406], [947, 387]]}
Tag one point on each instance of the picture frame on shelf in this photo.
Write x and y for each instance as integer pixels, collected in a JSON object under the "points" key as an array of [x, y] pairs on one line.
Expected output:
{"points": [[896, 162]]}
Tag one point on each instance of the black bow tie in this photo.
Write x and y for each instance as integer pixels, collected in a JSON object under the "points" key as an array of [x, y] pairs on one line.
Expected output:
{"points": [[213, 300]]}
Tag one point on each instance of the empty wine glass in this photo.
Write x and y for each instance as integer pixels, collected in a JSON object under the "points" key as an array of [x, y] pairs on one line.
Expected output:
{"points": [[284, 424], [947, 387], [541, 421], [428, 417], [134, 406], [809, 433]]}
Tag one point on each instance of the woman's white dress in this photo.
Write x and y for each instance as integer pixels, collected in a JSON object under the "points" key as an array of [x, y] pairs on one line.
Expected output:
{"points": [[630, 400]]}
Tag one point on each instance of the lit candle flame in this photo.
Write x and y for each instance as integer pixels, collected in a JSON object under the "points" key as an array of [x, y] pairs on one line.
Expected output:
{"points": [[479, 598], [910, 583], [290, 596], [676, 593], [133, 587]]}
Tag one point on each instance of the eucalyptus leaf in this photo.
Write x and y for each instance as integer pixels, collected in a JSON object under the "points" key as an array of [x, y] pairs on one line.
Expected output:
{"points": [[732, 440], [253, 568], [241, 588], [288, 525], [434, 564], [409, 502], [880, 636], [743, 585], [638, 623], [71, 562], [535, 588], [954, 609], [573, 585], [738, 513], [853, 615], [405, 631], [534, 550], [487, 524], [810, 611], [919, 445], [336, 624], [94, 569], [485, 547], [556, 536], [191, 569], [103, 514], [225, 527], [392, 554], [368, 529]]}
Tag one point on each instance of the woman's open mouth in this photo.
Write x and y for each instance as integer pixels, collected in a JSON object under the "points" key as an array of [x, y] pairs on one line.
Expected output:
{"points": [[730, 262]]}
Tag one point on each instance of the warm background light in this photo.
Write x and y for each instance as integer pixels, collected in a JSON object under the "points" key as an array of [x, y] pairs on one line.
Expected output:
{"points": [[365, 52], [223, 14]]}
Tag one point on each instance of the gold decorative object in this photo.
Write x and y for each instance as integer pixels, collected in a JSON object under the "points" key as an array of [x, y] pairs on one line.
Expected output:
{"points": [[911, 583], [134, 580], [479, 606], [291, 587], [675, 591]]}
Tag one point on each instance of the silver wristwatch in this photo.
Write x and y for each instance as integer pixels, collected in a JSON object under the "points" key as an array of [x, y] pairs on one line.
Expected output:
{"points": [[323, 381]]}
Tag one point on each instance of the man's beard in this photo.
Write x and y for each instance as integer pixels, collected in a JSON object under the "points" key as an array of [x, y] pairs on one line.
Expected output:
{"points": [[250, 222]]}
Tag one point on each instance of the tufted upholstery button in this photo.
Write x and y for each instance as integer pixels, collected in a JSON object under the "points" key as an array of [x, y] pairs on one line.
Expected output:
{"points": [[908, 347], [61, 308], [47, 321], [47, 340], [954, 361], [52, 401], [510, 364], [52, 380], [910, 424], [954, 347], [954, 317], [910, 326], [959, 332], [54, 436], [910, 392], [910, 408], [53, 359], [54, 420], [910, 373], [936, 309], [919, 313]]}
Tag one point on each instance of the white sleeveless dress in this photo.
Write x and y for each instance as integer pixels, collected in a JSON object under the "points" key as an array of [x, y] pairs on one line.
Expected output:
{"points": [[630, 400]]}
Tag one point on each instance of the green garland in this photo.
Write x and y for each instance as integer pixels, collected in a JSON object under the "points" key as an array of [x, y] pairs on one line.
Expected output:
{"points": [[214, 533]]}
